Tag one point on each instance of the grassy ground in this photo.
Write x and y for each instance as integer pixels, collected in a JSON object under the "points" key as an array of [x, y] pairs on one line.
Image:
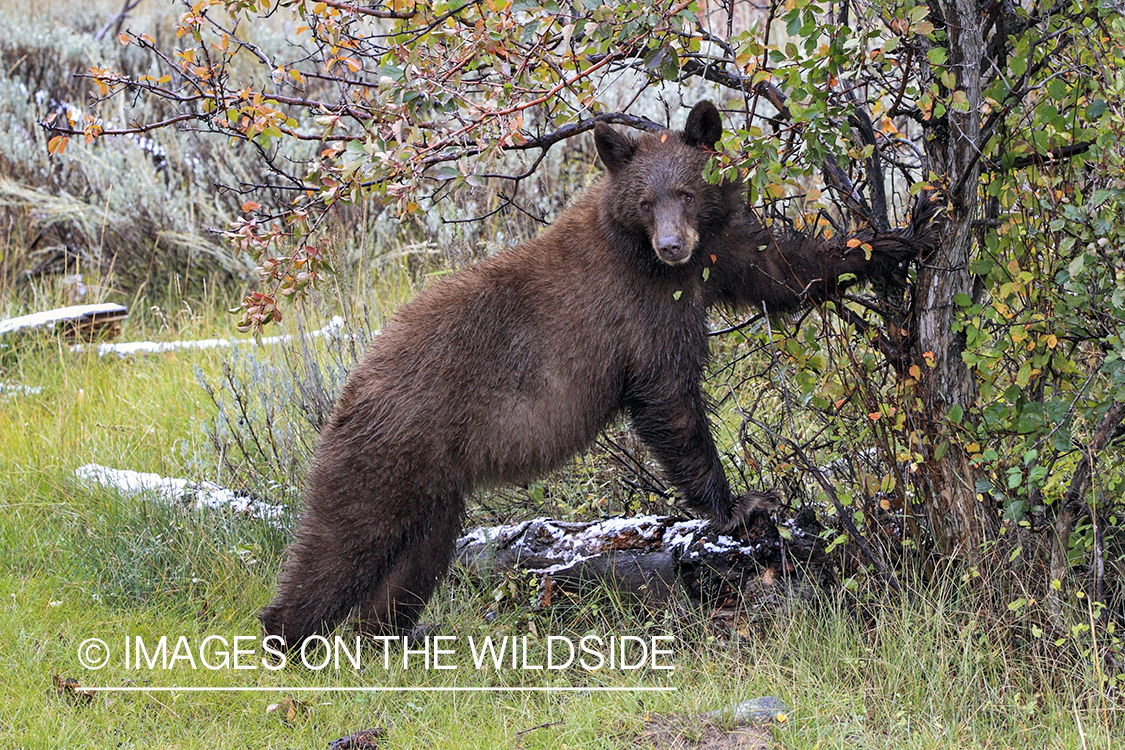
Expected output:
{"points": [[77, 563]]}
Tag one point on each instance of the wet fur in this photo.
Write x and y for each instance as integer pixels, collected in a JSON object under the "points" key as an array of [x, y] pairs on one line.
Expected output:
{"points": [[509, 367]]}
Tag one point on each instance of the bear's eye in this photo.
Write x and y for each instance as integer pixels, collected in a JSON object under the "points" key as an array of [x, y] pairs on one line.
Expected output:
{"points": [[645, 205], [688, 197]]}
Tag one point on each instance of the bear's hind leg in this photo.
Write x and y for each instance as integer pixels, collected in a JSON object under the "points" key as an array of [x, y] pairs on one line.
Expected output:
{"points": [[331, 568], [403, 593]]}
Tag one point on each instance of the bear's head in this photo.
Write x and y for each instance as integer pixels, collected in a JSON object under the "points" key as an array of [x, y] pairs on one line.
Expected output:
{"points": [[656, 191]]}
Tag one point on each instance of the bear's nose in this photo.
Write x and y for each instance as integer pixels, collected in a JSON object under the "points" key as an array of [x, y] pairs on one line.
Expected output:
{"points": [[669, 246]]}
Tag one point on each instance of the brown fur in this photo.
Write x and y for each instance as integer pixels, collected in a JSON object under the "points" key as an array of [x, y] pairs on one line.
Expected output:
{"points": [[513, 365], [789, 270]]}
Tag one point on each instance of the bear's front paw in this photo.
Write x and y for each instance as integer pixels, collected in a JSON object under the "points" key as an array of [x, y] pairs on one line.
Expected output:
{"points": [[747, 505]]}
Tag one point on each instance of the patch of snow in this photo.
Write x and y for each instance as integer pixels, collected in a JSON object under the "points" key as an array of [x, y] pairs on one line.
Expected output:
{"points": [[176, 491], [489, 534], [579, 541], [794, 529], [680, 535], [620, 525], [155, 347], [18, 389], [48, 318], [560, 567]]}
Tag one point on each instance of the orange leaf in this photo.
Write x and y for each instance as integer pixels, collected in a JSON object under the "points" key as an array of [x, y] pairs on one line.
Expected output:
{"points": [[56, 145], [714, 259], [874, 416], [853, 242], [915, 371], [123, 38], [249, 206]]}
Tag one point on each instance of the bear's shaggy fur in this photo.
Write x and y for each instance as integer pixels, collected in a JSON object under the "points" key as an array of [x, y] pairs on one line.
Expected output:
{"points": [[513, 365]]}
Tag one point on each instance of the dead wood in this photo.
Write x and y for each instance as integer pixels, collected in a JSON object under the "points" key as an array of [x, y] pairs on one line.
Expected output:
{"points": [[648, 557]]}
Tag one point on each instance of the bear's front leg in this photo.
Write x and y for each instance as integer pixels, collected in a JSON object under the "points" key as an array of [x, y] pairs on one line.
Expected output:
{"points": [[670, 417]]}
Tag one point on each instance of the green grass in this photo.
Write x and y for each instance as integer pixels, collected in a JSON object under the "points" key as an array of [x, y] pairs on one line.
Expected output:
{"points": [[77, 563]]}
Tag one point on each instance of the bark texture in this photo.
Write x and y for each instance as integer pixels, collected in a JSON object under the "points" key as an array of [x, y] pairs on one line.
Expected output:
{"points": [[958, 522]]}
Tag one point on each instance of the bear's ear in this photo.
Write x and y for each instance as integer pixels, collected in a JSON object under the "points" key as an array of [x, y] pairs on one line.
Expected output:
{"points": [[616, 150], [704, 126]]}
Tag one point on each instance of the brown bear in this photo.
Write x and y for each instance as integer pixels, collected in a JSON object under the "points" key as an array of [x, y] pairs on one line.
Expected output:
{"points": [[509, 367]]}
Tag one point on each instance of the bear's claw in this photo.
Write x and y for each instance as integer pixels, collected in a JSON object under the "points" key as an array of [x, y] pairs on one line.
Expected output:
{"points": [[746, 505]]}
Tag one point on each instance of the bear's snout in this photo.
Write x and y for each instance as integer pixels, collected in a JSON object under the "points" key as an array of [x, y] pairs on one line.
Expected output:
{"points": [[670, 249]]}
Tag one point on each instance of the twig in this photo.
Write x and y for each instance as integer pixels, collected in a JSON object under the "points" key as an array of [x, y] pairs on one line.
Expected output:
{"points": [[117, 20], [125, 131], [404, 15]]}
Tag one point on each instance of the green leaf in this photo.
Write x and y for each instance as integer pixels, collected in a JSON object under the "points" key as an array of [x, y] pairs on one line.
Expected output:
{"points": [[445, 172], [1057, 89], [1076, 265], [1096, 109], [1018, 62], [664, 61]]}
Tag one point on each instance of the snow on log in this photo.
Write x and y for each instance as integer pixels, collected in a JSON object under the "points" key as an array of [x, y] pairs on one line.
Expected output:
{"points": [[77, 321], [645, 556], [130, 348], [175, 491]]}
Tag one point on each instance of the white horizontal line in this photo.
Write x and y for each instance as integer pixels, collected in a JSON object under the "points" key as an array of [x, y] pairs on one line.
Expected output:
{"points": [[235, 689]]}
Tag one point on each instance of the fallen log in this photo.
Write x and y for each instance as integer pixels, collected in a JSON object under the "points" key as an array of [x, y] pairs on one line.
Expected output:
{"points": [[130, 348], [84, 322], [176, 491], [646, 557]]}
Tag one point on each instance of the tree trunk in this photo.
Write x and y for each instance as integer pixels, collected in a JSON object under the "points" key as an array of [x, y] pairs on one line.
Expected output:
{"points": [[959, 523]]}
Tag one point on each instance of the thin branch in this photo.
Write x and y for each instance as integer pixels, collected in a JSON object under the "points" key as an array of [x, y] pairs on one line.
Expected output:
{"points": [[1062, 153], [116, 22], [360, 10], [125, 131]]}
